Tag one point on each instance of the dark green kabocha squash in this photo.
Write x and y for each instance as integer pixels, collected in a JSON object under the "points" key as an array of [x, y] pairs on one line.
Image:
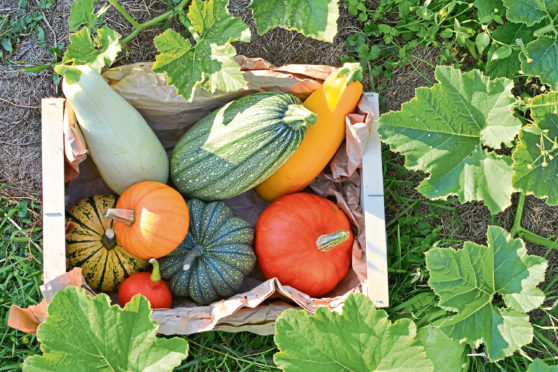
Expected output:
{"points": [[216, 256], [239, 145]]}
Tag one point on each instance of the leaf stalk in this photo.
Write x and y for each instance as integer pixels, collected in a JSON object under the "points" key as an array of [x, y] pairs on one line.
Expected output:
{"points": [[523, 233], [139, 27]]}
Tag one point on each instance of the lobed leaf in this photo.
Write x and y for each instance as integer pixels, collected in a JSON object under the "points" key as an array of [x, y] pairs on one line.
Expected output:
{"points": [[97, 51], [314, 18], [91, 335], [443, 130], [209, 63], [469, 281], [541, 59], [530, 11], [536, 156], [360, 339]]}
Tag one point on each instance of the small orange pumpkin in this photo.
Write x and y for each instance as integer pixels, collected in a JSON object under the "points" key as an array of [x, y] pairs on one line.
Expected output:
{"points": [[150, 219]]}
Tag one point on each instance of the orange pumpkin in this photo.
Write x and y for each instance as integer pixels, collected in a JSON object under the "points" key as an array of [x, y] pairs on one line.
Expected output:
{"points": [[150, 219]]}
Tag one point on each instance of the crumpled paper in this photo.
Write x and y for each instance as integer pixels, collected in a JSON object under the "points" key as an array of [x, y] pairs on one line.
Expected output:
{"points": [[260, 301]]}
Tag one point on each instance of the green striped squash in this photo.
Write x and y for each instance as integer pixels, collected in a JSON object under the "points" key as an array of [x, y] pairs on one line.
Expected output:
{"points": [[92, 245], [216, 256], [239, 145]]}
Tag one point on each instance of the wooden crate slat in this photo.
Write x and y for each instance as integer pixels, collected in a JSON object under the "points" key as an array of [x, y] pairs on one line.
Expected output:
{"points": [[54, 241]]}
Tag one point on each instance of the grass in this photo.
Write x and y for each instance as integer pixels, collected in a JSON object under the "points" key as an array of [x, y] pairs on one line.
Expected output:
{"points": [[20, 275]]}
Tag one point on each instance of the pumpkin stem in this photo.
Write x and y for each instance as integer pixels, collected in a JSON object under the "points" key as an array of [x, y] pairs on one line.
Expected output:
{"points": [[298, 116], [196, 251], [155, 274], [126, 216], [108, 241], [327, 242]]}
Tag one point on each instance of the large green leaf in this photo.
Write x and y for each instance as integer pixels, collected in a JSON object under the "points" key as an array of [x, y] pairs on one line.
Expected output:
{"points": [[96, 51], [509, 33], [314, 18], [540, 366], [536, 156], [82, 13], [541, 59], [209, 63], [443, 130], [446, 354], [470, 281], [87, 334], [530, 11], [360, 339]]}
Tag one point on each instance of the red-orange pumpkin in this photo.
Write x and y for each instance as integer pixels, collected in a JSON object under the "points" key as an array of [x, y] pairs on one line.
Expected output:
{"points": [[305, 241], [150, 219]]}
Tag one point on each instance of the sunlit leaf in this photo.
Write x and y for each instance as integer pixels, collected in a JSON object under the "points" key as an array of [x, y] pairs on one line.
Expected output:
{"points": [[314, 18], [443, 130], [469, 282]]}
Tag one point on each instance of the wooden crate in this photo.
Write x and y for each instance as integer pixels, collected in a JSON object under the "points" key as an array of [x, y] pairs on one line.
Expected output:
{"points": [[54, 262]]}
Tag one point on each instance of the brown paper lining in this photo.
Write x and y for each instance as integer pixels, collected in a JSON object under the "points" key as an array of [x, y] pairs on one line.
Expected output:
{"points": [[259, 304]]}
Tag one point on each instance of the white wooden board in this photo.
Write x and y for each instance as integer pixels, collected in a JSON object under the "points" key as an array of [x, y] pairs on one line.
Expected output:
{"points": [[372, 200], [54, 241]]}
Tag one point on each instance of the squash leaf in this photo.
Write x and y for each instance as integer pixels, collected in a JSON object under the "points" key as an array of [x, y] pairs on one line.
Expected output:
{"points": [[540, 58], [97, 50], [530, 11], [509, 34], [540, 366], [313, 18], [360, 339], [209, 63], [446, 354], [88, 334], [536, 156], [82, 13], [443, 130], [491, 288]]}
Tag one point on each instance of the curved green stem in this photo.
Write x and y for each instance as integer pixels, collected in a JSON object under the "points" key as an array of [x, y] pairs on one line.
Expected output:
{"points": [[523, 233], [537, 239], [518, 215], [124, 13], [155, 274], [139, 27]]}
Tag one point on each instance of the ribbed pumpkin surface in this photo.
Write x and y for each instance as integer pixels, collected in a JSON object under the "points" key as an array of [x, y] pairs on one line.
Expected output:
{"points": [[217, 251], [104, 263], [239, 145]]}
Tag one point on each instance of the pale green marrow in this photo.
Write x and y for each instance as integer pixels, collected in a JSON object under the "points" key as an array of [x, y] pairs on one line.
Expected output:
{"points": [[120, 142]]}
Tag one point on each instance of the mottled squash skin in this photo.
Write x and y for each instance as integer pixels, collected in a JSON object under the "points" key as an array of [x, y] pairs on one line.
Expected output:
{"points": [[215, 257], [105, 264], [239, 145]]}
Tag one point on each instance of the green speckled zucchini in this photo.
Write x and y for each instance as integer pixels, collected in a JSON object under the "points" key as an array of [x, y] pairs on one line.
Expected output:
{"points": [[239, 145]]}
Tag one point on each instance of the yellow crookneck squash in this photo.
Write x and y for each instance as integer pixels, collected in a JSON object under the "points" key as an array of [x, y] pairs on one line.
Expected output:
{"points": [[337, 97]]}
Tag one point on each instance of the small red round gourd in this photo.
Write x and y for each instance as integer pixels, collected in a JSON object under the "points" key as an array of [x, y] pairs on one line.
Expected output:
{"points": [[150, 219], [305, 241], [149, 285]]}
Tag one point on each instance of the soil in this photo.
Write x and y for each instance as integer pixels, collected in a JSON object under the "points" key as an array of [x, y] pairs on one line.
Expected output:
{"points": [[20, 99]]}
